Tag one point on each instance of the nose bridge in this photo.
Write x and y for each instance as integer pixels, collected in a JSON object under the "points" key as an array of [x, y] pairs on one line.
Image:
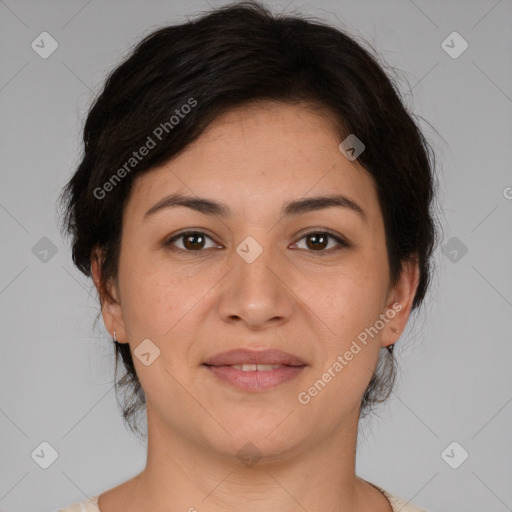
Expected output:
{"points": [[254, 293]]}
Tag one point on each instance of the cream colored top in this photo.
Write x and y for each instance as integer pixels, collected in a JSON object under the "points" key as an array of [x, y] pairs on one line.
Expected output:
{"points": [[397, 504]]}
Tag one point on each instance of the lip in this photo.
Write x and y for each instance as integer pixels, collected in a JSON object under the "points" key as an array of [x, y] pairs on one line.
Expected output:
{"points": [[245, 356], [220, 365]]}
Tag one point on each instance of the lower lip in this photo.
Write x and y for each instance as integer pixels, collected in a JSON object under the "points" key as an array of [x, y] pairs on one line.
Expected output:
{"points": [[255, 380]]}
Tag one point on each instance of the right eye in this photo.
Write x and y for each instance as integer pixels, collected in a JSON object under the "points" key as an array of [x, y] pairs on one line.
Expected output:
{"points": [[193, 241]]}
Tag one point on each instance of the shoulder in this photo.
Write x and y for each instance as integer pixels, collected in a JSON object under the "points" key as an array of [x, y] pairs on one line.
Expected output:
{"points": [[88, 505], [399, 504]]}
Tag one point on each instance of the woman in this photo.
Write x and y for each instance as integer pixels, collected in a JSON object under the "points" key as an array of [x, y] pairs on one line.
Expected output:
{"points": [[254, 207]]}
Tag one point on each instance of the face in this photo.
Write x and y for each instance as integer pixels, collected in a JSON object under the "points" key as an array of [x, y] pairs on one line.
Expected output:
{"points": [[310, 280]]}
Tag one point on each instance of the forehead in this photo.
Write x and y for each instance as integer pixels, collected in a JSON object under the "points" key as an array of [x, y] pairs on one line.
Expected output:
{"points": [[257, 157]]}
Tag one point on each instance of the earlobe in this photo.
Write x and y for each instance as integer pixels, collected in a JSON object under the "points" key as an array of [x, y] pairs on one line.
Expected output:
{"points": [[400, 301], [109, 299]]}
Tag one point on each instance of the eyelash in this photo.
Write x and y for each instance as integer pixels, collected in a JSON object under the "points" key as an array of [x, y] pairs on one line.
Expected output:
{"points": [[343, 244]]}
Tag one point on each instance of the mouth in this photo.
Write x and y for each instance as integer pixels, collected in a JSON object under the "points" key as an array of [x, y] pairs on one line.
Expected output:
{"points": [[256, 367], [243, 356], [254, 371]]}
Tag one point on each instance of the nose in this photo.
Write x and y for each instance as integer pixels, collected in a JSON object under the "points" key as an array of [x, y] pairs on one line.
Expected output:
{"points": [[255, 292]]}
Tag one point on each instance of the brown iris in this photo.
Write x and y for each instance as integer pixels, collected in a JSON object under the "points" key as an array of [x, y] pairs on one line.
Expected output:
{"points": [[320, 240]]}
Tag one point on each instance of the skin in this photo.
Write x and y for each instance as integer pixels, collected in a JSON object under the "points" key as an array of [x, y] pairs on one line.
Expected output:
{"points": [[308, 301]]}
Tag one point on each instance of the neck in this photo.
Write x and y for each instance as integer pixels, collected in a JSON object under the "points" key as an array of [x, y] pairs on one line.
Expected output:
{"points": [[183, 474]]}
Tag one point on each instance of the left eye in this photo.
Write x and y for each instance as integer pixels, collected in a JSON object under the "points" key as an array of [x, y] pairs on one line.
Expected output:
{"points": [[318, 241]]}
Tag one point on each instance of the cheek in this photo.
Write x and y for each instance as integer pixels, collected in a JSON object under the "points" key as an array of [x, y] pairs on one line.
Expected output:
{"points": [[143, 287], [353, 297], [154, 309], [152, 306], [350, 309], [351, 305], [159, 298]]}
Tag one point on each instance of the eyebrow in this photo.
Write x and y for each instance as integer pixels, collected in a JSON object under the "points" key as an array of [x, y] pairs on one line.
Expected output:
{"points": [[292, 208]]}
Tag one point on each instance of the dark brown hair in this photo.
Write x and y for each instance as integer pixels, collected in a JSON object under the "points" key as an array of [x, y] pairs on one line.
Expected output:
{"points": [[223, 59]]}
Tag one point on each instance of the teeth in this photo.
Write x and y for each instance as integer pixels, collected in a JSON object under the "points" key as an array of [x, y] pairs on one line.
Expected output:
{"points": [[255, 367]]}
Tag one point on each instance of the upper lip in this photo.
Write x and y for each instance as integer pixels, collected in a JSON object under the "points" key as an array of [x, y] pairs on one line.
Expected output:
{"points": [[245, 356]]}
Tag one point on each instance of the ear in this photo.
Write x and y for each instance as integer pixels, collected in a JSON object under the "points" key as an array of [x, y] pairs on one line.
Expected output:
{"points": [[400, 299], [111, 308]]}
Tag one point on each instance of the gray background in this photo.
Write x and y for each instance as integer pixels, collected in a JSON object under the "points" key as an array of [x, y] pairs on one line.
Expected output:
{"points": [[455, 383]]}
